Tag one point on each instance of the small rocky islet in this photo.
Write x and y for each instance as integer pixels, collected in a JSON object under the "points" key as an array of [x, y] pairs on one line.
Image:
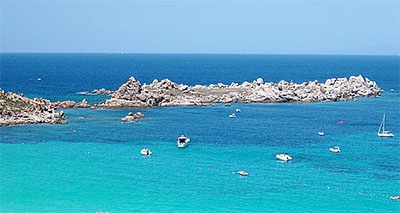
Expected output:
{"points": [[17, 109]]}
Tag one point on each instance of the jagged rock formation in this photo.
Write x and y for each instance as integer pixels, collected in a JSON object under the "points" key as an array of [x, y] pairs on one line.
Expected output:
{"points": [[17, 109], [101, 91], [133, 117], [168, 93], [70, 104]]}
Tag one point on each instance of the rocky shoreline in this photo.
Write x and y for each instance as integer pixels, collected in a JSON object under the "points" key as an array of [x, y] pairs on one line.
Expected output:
{"points": [[167, 93], [17, 109]]}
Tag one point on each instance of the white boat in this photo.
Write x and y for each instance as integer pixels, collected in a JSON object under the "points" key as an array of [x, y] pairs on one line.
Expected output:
{"points": [[146, 152], [238, 110], [182, 141], [233, 115], [395, 197], [320, 133], [243, 173], [284, 157], [335, 149], [381, 131]]}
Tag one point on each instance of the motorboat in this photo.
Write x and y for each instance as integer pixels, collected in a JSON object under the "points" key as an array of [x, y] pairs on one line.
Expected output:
{"points": [[146, 152], [395, 197], [243, 173], [381, 131], [238, 110], [233, 115], [283, 157], [335, 149], [320, 133], [182, 141], [341, 122]]}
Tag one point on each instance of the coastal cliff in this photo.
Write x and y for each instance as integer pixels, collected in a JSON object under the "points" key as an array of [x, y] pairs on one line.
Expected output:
{"points": [[168, 93], [17, 109]]}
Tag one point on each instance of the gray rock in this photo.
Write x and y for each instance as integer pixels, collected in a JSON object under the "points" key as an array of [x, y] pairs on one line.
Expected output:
{"points": [[168, 93]]}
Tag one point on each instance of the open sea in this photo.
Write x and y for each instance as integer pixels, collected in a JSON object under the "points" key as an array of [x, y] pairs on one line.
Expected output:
{"points": [[98, 167]]}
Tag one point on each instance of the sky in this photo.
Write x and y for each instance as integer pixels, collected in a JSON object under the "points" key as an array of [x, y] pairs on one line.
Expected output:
{"points": [[360, 27]]}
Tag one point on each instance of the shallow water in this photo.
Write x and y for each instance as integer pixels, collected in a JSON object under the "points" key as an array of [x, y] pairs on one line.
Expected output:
{"points": [[98, 166]]}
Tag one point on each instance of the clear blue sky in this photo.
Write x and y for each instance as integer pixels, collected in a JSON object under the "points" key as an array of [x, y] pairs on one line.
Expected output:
{"points": [[189, 26]]}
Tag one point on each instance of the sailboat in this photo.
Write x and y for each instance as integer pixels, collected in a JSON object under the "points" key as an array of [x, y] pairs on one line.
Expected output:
{"points": [[382, 132]]}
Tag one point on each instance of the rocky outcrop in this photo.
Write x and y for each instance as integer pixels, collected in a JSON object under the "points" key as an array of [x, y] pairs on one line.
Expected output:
{"points": [[133, 117], [101, 91], [168, 93], [70, 104], [17, 109]]}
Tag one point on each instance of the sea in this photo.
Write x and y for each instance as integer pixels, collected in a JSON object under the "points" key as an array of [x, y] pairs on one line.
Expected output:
{"points": [[93, 163]]}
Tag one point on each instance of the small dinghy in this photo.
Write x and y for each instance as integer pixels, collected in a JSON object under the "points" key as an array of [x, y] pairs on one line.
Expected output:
{"points": [[233, 115]]}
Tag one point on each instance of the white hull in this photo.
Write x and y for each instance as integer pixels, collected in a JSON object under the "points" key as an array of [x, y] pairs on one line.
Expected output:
{"points": [[283, 157], [385, 134], [243, 173], [182, 141], [182, 145], [335, 149], [146, 152]]}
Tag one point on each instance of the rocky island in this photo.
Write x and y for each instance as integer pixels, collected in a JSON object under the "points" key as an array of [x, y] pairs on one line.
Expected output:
{"points": [[168, 93], [133, 117], [17, 109]]}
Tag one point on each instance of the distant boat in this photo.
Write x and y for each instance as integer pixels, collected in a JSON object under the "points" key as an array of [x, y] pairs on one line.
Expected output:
{"points": [[39, 79], [238, 110], [395, 197], [381, 131], [243, 173], [233, 115], [341, 122], [335, 149], [182, 141], [146, 152], [320, 133], [227, 104], [284, 157]]}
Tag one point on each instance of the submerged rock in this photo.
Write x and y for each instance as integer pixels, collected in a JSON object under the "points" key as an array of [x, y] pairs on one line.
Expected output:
{"points": [[131, 117]]}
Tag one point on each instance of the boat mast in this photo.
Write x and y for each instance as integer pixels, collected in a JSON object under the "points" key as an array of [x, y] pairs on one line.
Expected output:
{"points": [[382, 126]]}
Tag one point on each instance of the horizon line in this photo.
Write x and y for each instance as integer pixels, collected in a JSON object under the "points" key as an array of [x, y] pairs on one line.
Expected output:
{"points": [[202, 53]]}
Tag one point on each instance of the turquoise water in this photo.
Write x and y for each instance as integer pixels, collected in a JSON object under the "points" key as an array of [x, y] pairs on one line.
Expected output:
{"points": [[98, 168]]}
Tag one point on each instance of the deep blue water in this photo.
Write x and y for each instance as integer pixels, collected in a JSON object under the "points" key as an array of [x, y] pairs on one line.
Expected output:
{"points": [[48, 168], [65, 74]]}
